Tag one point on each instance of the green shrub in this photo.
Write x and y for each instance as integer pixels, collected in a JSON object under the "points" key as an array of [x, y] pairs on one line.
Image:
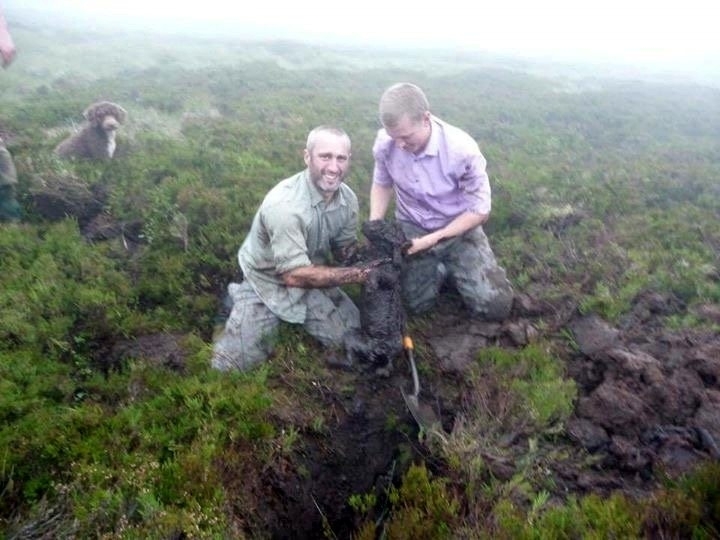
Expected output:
{"points": [[688, 507], [57, 293], [532, 380], [591, 517], [422, 508]]}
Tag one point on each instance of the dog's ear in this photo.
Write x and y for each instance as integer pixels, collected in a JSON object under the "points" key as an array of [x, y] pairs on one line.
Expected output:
{"points": [[89, 113], [119, 113]]}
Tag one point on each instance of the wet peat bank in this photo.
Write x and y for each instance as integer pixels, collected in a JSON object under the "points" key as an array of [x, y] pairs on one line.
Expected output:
{"points": [[648, 406]]}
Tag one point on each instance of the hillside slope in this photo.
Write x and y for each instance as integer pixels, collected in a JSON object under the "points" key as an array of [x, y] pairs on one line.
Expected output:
{"points": [[601, 392]]}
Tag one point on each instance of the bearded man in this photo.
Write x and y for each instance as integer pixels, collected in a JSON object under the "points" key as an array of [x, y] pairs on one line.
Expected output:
{"points": [[303, 224]]}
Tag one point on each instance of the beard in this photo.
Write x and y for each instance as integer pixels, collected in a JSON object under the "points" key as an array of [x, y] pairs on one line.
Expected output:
{"points": [[324, 181]]}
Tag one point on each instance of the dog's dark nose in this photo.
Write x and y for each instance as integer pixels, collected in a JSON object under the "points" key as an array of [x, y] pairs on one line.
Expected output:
{"points": [[110, 123]]}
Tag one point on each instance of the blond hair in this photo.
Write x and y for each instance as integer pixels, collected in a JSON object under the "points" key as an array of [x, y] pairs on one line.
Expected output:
{"points": [[402, 99]]}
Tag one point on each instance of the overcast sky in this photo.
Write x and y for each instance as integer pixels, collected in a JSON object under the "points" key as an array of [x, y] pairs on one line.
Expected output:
{"points": [[642, 32]]}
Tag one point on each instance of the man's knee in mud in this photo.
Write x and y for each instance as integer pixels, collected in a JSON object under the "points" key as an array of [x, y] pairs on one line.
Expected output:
{"points": [[496, 301]]}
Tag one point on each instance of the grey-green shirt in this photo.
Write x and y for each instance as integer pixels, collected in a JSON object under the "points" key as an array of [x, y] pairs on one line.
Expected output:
{"points": [[294, 228], [8, 175]]}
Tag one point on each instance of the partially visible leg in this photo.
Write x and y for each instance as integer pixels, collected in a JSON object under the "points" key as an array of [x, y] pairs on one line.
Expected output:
{"points": [[247, 338], [10, 209], [330, 313], [479, 279]]}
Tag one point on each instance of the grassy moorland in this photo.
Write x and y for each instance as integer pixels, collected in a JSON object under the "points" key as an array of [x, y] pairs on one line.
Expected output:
{"points": [[603, 188]]}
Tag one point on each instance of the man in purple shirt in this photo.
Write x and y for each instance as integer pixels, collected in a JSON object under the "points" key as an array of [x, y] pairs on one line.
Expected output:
{"points": [[442, 198]]}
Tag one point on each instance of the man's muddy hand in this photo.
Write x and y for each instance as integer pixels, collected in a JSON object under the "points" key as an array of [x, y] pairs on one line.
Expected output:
{"points": [[350, 254], [366, 268], [417, 245]]}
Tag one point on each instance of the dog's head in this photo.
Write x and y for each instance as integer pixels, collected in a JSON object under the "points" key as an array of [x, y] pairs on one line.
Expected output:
{"points": [[386, 238], [106, 115]]}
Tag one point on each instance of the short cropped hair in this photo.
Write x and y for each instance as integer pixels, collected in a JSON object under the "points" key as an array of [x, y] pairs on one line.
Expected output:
{"points": [[402, 99], [313, 135]]}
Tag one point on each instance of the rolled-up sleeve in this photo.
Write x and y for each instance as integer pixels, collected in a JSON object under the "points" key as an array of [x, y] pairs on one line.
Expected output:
{"points": [[381, 148]]}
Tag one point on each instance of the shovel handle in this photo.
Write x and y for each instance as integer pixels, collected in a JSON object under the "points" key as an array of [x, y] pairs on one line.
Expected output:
{"points": [[408, 344]]}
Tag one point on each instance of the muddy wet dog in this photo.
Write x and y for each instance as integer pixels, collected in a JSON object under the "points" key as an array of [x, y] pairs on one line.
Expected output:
{"points": [[382, 315]]}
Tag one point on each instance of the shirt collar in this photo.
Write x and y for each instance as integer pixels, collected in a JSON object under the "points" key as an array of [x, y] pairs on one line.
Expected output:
{"points": [[432, 146]]}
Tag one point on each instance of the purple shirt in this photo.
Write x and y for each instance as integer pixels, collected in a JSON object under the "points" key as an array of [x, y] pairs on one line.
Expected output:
{"points": [[434, 187]]}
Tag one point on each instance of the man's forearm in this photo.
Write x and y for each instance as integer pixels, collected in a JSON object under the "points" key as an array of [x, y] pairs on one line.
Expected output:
{"points": [[318, 277], [380, 197], [460, 225]]}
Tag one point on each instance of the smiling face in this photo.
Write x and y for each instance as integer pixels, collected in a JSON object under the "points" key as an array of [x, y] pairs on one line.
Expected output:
{"points": [[411, 135], [328, 160]]}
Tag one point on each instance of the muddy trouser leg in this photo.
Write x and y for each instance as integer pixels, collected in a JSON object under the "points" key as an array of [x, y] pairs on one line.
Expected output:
{"points": [[479, 279], [420, 280], [247, 338], [330, 313]]}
